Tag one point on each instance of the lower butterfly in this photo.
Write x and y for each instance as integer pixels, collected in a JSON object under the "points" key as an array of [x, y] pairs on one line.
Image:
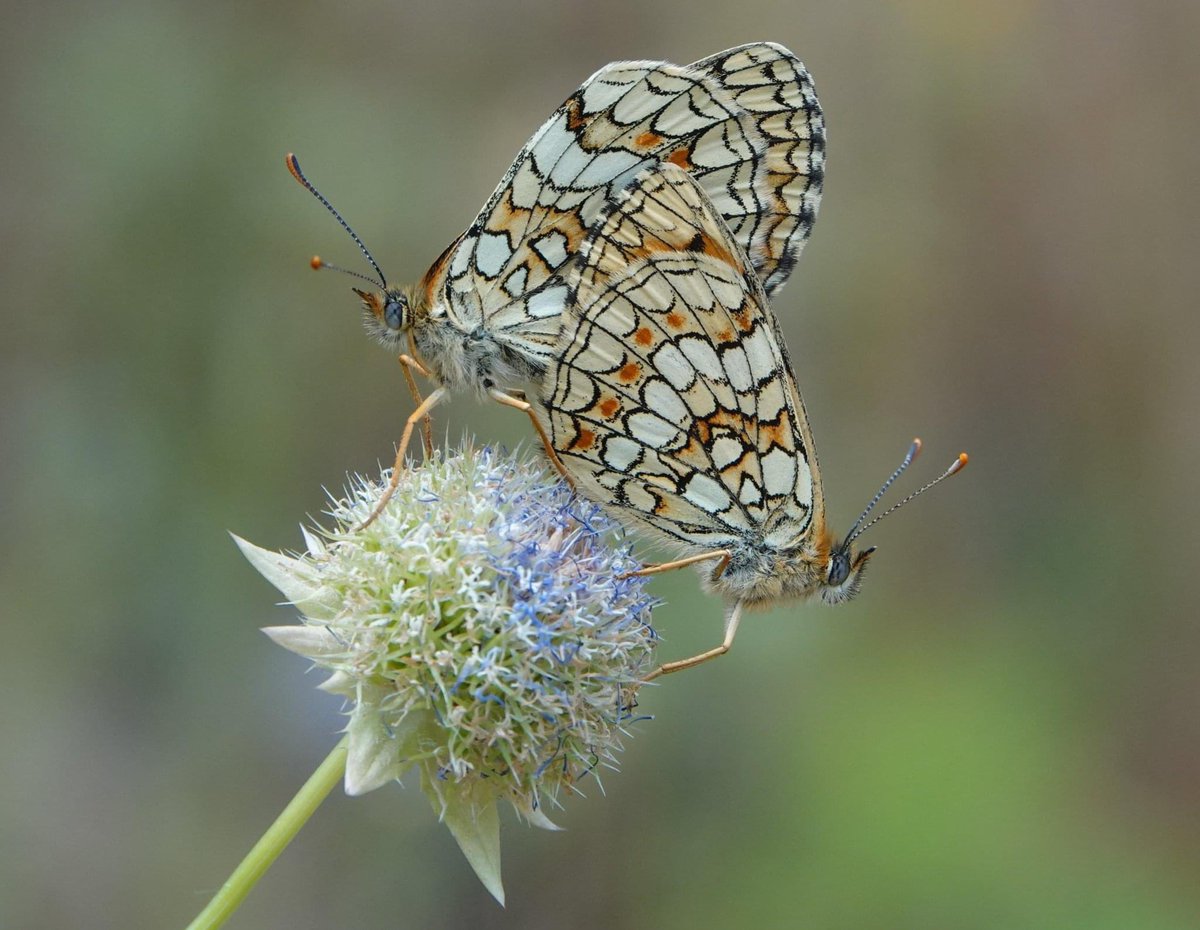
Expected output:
{"points": [[671, 398], [485, 317]]}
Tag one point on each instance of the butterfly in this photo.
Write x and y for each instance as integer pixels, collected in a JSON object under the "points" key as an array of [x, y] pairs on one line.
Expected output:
{"points": [[671, 399], [485, 318]]}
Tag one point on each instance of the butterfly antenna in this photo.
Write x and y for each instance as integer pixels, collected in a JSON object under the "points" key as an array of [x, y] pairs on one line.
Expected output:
{"points": [[293, 166], [959, 464], [913, 451], [317, 263]]}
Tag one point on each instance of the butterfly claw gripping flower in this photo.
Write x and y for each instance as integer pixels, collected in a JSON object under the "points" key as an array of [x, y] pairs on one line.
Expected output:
{"points": [[482, 630]]}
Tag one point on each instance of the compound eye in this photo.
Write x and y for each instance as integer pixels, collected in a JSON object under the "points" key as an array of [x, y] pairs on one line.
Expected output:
{"points": [[394, 312], [839, 568]]}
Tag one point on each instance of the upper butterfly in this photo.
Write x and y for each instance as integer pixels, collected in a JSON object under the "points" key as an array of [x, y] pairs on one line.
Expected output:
{"points": [[744, 122], [671, 399]]}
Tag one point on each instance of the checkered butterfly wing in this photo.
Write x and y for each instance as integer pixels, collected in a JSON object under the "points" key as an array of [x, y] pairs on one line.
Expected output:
{"points": [[506, 273], [671, 396], [769, 83]]}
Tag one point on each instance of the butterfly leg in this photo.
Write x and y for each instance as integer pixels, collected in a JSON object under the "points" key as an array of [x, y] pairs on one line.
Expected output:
{"points": [[408, 365], [722, 555], [527, 408], [398, 467], [731, 626]]}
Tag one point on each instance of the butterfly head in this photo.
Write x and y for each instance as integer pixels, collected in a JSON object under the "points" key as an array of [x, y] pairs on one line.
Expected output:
{"points": [[387, 315], [844, 573]]}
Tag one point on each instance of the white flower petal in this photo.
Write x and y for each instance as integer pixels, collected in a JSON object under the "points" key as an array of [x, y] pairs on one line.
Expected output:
{"points": [[316, 546], [469, 810], [340, 682], [314, 642], [290, 576], [536, 818], [378, 754], [322, 606], [374, 757]]}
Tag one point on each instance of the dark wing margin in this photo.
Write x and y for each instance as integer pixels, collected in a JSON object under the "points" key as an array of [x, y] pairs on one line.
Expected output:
{"points": [[772, 86]]}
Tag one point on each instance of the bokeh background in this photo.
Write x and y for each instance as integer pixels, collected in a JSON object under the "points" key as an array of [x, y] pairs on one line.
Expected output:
{"points": [[1002, 731]]}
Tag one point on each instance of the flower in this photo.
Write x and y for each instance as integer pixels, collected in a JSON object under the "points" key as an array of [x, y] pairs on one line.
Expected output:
{"points": [[483, 631]]}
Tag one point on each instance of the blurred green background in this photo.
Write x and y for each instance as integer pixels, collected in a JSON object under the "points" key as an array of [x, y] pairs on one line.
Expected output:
{"points": [[1002, 731]]}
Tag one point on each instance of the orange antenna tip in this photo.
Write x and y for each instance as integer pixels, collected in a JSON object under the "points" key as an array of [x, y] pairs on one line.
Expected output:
{"points": [[315, 263], [293, 167], [959, 464]]}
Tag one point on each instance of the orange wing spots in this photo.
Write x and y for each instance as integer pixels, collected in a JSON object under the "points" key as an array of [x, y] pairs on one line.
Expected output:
{"points": [[630, 372], [547, 220], [584, 440], [675, 320], [436, 273], [693, 448], [643, 336], [651, 246], [609, 406], [776, 434], [648, 140], [725, 335], [725, 423], [702, 242], [575, 118], [507, 214], [743, 319], [681, 158]]}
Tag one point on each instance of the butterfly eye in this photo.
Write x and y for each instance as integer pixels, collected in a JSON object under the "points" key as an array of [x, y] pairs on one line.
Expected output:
{"points": [[839, 568], [395, 312]]}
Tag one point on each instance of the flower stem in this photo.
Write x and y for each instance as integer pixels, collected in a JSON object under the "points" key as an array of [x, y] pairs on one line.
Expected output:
{"points": [[274, 841]]}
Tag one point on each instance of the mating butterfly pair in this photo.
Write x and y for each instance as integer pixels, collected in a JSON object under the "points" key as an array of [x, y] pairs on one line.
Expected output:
{"points": [[621, 270]]}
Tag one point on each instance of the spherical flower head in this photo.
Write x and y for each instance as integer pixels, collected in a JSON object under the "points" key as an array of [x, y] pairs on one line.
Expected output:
{"points": [[484, 629]]}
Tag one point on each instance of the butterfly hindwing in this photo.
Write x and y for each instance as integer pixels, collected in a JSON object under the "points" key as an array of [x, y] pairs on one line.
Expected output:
{"points": [[671, 394], [768, 82]]}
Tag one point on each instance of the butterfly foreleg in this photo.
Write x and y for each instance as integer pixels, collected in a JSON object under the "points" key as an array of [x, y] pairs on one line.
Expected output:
{"points": [[526, 407], [721, 555], [398, 467], [731, 626], [409, 364]]}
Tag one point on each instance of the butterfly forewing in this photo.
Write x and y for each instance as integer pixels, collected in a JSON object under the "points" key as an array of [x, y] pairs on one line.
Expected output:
{"points": [[671, 395], [724, 119], [504, 272]]}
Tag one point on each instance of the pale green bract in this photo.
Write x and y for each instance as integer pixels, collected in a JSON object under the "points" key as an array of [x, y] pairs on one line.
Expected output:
{"points": [[482, 629]]}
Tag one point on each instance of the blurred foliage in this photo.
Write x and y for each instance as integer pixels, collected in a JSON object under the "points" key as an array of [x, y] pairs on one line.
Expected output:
{"points": [[1002, 731]]}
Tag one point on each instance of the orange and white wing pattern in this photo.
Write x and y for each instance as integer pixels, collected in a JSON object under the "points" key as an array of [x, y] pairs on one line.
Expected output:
{"points": [[773, 86], [671, 396], [506, 273]]}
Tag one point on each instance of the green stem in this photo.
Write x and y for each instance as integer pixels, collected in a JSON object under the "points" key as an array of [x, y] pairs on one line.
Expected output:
{"points": [[274, 841]]}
